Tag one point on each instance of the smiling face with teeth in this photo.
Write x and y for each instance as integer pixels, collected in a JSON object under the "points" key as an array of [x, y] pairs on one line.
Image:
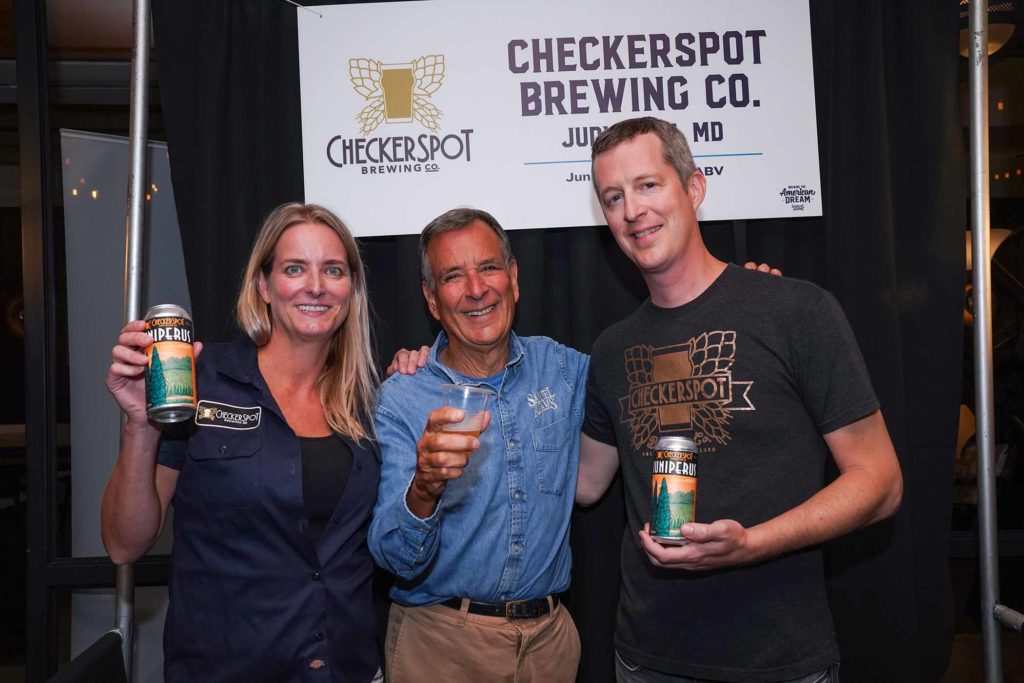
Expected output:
{"points": [[474, 297], [650, 212], [309, 284]]}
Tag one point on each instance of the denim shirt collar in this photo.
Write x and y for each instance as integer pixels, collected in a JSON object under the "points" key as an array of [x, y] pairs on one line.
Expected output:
{"points": [[436, 365]]}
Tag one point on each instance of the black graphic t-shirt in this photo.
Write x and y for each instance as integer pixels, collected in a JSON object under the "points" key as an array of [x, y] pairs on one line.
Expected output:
{"points": [[755, 371]]}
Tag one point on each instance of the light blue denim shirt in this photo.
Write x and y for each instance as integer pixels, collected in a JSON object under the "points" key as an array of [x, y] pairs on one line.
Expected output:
{"points": [[501, 532]]}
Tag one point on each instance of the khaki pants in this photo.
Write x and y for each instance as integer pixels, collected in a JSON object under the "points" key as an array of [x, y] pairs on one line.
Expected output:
{"points": [[439, 644]]}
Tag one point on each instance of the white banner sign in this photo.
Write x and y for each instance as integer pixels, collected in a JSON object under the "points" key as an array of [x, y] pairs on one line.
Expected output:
{"points": [[413, 108]]}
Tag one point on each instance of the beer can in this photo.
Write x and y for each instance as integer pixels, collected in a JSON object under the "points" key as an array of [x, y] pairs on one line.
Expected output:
{"points": [[171, 373], [673, 488]]}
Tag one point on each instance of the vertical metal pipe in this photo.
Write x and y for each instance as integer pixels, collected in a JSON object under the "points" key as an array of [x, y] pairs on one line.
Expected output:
{"points": [[134, 250], [137, 138], [124, 618], [983, 395]]}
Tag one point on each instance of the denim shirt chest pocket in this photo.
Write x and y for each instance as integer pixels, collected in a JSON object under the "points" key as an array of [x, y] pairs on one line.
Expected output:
{"points": [[550, 443], [224, 467]]}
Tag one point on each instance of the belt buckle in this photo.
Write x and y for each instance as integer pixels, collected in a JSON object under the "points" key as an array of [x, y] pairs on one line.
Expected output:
{"points": [[513, 609]]}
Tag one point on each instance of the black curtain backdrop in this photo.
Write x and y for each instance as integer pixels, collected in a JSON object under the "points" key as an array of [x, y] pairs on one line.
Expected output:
{"points": [[890, 247]]}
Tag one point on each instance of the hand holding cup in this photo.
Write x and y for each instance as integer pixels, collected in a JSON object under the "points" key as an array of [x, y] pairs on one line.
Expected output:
{"points": [[450, 436]]}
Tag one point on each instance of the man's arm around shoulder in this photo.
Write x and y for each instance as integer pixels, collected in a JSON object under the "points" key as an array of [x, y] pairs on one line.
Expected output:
{"points": [[598, 464]]}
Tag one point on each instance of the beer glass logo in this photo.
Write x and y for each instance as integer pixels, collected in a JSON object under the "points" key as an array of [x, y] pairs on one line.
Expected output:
{"points": [[397, 93], [684, 388]]}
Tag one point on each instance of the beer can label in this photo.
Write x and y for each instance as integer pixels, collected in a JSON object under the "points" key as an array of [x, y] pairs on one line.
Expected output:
{"points": [[673, 493], [171, 374]]}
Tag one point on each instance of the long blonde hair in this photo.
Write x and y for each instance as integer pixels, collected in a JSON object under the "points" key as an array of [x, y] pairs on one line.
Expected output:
{"points": [[348, 383]]}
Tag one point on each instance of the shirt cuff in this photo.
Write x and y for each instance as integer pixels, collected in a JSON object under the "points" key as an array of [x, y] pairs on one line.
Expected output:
{"points": [[418, 534]]}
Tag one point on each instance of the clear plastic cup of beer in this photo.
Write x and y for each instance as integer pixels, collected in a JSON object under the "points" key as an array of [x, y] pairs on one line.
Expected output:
{"points": [[472, 401]]}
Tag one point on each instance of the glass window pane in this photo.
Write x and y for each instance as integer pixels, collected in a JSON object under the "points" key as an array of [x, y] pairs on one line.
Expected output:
{"points": [[90, 76]]}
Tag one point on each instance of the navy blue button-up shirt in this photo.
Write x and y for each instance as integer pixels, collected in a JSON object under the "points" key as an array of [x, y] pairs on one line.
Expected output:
{"points": [[501, 531], [251, 598]]}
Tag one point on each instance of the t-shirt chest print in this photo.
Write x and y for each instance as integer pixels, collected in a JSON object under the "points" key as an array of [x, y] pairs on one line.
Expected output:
{"points": [[683, 389]]}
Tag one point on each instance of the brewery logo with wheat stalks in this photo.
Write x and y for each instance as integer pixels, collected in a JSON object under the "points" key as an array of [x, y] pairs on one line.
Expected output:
{"points": [[397, 93], [683, 388]]}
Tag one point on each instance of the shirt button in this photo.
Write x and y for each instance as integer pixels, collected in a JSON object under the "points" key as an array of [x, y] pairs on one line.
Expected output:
{"points": [[517, 494], [223, 448], [319, 635], [511, 443], [516, 547], [316, 576]]}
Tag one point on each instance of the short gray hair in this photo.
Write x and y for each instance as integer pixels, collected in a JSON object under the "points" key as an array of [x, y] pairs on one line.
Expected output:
{"points": [[674, 149], [456, 219]]}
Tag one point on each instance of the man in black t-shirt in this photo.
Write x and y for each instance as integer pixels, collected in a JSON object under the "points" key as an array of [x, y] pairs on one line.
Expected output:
{"points": [[765, 376]]}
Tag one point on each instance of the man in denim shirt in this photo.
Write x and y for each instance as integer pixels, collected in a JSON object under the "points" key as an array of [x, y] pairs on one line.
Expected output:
{"points": [[476, 530]]}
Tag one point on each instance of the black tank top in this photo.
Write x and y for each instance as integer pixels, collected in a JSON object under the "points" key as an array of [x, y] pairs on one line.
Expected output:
{"points": [[326, 466]]}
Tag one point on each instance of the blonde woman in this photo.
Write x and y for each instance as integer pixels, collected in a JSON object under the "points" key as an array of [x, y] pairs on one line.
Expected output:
{"points": [[273, 482]]}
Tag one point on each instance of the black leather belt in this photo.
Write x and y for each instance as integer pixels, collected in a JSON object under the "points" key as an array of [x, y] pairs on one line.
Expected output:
{"points": [[516, 609]]}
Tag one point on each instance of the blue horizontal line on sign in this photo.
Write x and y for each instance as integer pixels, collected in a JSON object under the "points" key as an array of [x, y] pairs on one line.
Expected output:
{"points": [[695, 156], [737, 154]]}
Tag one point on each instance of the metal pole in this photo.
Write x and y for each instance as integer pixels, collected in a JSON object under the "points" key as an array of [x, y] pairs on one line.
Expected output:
{"points": [[137, 135], [983, 396], [124, 619], [1010, 618], [134, 250]]}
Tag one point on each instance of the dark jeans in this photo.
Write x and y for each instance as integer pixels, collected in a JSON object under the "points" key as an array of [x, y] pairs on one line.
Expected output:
{"points": [[628, 672]]}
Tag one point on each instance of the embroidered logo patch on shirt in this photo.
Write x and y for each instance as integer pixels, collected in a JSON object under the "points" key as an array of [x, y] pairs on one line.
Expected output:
{"points": [[541, 401], [226, 416]]}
